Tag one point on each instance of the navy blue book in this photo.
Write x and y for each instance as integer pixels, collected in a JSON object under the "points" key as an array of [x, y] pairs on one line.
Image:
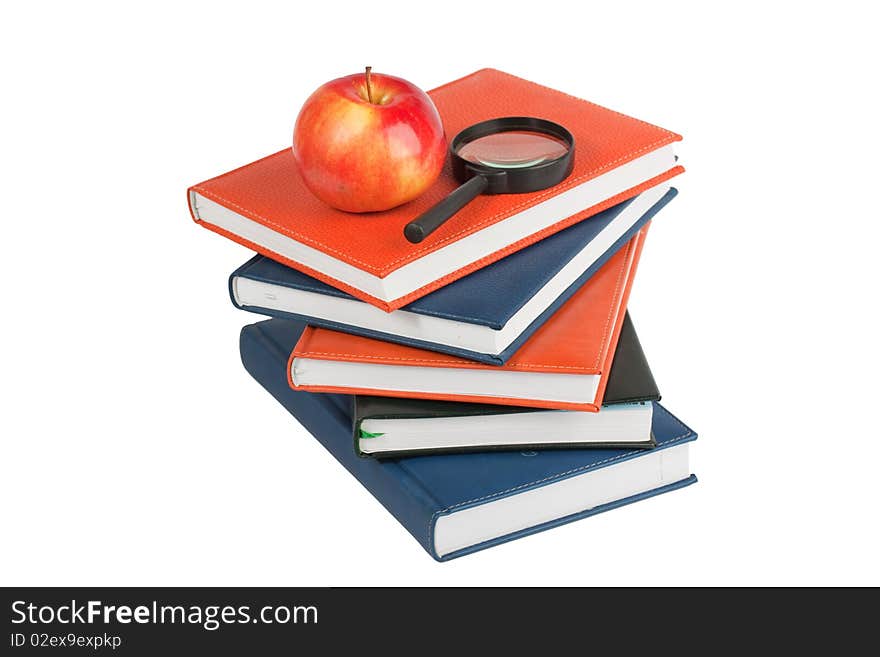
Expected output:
{"points": [[456, 504], [485, 316]]}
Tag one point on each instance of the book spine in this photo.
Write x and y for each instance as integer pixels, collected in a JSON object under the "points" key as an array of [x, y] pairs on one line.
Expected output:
{"points": [[328, 418], [241, 272]]}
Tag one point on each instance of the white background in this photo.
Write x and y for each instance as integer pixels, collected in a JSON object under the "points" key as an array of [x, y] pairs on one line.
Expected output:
{"points": [[136, 450]]}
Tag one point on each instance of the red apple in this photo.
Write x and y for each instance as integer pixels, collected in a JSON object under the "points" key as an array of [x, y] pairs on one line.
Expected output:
{"points": [[368, 142]]}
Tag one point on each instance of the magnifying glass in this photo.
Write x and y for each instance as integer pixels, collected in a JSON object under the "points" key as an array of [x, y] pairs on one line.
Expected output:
{"points": [[510, 155]]}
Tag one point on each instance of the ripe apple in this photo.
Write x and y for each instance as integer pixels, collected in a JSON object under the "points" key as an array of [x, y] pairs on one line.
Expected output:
{"points": [[368, 142]]}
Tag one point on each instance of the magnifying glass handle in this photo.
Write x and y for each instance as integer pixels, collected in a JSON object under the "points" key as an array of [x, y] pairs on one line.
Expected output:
{"points": [[430, 220]]}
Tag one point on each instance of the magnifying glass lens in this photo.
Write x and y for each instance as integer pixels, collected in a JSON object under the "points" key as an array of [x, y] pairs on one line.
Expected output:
{"points": [[513, 149]]}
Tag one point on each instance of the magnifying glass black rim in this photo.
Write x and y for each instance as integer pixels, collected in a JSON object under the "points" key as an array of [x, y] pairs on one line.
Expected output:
{"points": [[515, 180], [511, 124]]}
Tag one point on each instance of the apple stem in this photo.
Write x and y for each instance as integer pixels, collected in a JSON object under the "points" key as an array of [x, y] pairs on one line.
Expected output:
{"points": [[369, 88]]}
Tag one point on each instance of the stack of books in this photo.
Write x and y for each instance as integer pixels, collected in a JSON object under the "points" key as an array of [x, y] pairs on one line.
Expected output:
{"points": [[487, 383]]}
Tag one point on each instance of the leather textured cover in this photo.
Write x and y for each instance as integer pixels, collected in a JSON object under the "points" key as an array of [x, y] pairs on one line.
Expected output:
{"points": [[579, 338], [630, 380], [271, 192], [487, 297], [419, 490]]}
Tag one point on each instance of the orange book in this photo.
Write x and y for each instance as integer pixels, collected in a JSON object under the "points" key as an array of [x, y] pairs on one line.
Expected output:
{"points": [[266, 206], [564, 365]]}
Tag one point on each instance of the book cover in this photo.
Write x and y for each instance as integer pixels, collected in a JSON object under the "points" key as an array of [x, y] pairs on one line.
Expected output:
{"points": [[266, 206], [630, 382], [457, 504], [564, 365], [485, 316]]}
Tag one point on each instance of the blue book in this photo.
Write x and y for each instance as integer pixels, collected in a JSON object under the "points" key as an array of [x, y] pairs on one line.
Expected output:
{"points": [[460, 503], [485, 316]]}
